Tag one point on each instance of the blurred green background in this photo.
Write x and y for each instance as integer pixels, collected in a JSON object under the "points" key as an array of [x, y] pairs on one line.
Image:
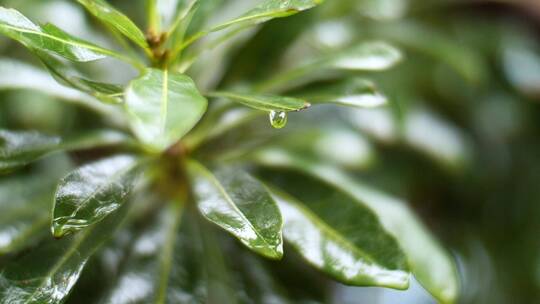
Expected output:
{"points": [[460, 141]]}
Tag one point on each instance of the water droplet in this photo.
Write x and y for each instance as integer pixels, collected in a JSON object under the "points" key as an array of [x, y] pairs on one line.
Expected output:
{"points": [[278, 119]]}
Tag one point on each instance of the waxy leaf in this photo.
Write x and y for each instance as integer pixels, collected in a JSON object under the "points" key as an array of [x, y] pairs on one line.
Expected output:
{"points": [[365, 56], [105, 92], [339, 236], [265, 11], [163, 106], [48, 273], [48, 38], [354, 92], [428, 261], [239, 204], [92, 192], [173, 258], [18, 149], [112, 17], [265, 102], [25, 204]]}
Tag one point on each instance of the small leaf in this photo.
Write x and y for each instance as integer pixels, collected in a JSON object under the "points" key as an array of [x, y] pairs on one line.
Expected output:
{"points": [[239, 204], [112, 17], [265, 102], [163, 106], [18, 149], [355, 92], [92, 192], [48, 273], [428, 261], [337, 235], [49, 38]]}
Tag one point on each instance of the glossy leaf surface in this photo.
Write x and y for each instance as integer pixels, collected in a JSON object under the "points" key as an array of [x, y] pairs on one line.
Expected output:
{"points": [[336, 234], [355, 92], [265, 102], [163, 106], [430, 264], [21, 148], [239, 204], [48, 273], [89, 194], [367, 56], [48, 38], [25, 205], [112, 17]]}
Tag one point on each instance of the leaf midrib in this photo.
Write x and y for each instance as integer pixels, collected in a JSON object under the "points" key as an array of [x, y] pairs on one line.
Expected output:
{"points": [[68, 42], [228, 199]]}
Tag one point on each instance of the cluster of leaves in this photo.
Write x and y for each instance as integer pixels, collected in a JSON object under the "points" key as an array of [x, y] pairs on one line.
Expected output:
{"points": [[168, 161]]}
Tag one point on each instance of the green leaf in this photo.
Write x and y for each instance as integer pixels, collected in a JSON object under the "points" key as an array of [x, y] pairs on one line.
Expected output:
{"points": [[48, 273], [173, 258], [337, 235], [239, 204], [265, 11], [25, 205], [163, 106], [92, 192], [112, 17], [355, 92], [49, 38], [18, 149], [428, 261], [265, 102], [365, 56], [105, 92]]}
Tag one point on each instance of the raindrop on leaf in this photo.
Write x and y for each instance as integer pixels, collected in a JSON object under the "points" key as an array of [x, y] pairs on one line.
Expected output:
{"points": [[278, 119]]}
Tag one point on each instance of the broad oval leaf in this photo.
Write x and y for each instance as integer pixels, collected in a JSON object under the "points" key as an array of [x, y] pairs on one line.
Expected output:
{"points": [[18, 149], [48, 273], [112, 17], [49, 38], [163, 106], [265, 102], [355, 92], [428, 261], [92, 192], [338, 235], [239, 204]]}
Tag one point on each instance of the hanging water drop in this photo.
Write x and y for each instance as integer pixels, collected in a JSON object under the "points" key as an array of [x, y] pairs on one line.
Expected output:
{"points": [[278, 119]]}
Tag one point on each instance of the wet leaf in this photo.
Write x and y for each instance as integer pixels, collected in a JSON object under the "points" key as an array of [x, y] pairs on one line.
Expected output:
{"points": [[112, 17], [428, 261], [48, 38], [163, 106], [264, 102], [48, 273], [92, 192], [338, 235], [239, 204]]}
